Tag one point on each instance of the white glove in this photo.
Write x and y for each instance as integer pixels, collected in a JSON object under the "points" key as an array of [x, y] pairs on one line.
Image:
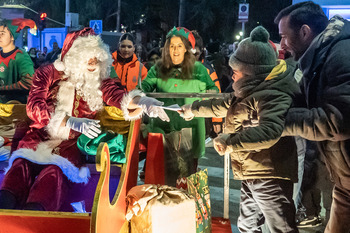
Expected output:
{"points": [[220, 144], [88, 127], [152, 108], [187, 112]]}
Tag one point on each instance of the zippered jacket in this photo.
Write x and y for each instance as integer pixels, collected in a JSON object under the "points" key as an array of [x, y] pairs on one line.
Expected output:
{"points": [[326, 88], [255, 122]]}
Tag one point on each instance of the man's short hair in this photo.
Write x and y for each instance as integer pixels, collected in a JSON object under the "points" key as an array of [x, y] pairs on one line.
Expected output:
{"points": [[199, 40], [308, 13], [3, 22], [199, 44]]}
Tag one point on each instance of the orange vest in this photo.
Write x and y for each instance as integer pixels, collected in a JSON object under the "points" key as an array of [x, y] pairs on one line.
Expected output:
{"points": [[129, 73], [214, 77]]}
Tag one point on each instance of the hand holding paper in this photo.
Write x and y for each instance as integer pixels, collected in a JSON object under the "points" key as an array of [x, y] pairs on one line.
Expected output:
{"points": [[186, 112], [153, 108], [174, 107]]}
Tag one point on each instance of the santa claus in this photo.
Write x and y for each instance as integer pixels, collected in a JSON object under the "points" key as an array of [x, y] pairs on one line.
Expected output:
{"points": [[63, 101]]}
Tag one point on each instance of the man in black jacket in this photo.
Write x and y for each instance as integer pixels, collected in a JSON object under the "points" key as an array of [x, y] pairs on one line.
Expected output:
{"points": [[322, 49], [53, 55]]}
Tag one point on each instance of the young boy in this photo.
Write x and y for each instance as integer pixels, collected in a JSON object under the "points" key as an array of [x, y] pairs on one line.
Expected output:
{"points": [[266, 163], [16, 67]]}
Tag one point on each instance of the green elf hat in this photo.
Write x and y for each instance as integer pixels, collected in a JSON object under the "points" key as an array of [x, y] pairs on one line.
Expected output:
{"points": [[16, 25], [181, 31]]}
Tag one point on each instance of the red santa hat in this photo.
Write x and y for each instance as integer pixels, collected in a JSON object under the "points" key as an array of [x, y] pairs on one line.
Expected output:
{"points": [[68, 42]]}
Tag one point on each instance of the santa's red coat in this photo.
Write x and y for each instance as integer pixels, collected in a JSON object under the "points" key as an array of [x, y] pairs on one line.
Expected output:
{"points": [[47, 142]]}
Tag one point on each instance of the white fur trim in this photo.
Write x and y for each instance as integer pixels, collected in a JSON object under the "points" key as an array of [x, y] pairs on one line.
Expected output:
{"points": [[59, 65], [64, 107], [43, 155], [54, 127], [193, 50], [126, 101]]}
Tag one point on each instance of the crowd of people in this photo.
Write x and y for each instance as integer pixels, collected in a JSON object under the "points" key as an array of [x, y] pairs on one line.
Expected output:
{"points": [[44, 57], [284, 124]]}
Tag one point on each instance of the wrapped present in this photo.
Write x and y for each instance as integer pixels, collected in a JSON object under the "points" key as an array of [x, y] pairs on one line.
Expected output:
{"points": [[197, 186], [160, 209]]}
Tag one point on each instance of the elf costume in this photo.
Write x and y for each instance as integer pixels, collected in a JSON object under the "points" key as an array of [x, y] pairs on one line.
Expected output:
{"points": [[16, 67], [200, 82]]}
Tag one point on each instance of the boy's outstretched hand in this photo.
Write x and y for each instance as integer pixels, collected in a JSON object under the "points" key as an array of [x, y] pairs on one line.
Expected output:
{"points": [[186, 112]]}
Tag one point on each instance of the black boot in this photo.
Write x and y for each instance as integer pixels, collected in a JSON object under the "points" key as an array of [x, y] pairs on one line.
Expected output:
{"points": [[7, 200]]}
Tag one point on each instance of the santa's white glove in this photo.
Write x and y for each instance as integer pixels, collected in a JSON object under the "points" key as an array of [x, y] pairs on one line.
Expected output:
{"points": [[186, 112], [220, 144], [152, 108], [88, 127]]}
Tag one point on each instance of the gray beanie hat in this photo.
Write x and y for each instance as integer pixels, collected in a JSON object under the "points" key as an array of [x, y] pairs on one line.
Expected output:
{"points": [[254, 54]]}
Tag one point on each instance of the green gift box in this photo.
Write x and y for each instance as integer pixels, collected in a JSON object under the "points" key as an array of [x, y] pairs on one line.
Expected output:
{"points": [[197, 186]]}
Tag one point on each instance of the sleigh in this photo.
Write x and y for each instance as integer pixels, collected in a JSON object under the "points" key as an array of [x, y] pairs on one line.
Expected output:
{"points": [[104, 195]]}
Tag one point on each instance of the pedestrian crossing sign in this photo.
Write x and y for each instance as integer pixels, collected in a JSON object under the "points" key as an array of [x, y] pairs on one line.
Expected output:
{"points": [[243, 12], [96, 25]]}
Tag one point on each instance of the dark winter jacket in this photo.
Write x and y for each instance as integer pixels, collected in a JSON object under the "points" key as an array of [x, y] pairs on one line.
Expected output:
{"points": [[326, 86], [255, 123]]}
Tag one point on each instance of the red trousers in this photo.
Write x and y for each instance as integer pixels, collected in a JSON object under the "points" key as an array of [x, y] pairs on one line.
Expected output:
{"points": [[34, 183]]}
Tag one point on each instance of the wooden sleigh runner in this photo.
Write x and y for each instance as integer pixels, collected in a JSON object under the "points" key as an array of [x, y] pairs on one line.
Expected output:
{"points": [[104, 196]]}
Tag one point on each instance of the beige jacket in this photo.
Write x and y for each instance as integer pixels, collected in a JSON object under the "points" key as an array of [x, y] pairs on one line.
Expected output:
{"points": [[255, 123]]}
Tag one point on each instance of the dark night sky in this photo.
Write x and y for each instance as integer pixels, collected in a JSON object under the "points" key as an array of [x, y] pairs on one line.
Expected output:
{"points": [[222, 25], [263, 12]]}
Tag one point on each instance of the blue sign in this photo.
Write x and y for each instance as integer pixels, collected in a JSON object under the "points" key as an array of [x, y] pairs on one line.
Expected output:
{"points": [[96, 25]]}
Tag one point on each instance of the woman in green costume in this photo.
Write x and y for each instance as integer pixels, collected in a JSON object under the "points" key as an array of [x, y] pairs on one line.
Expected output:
{"points": [[178, 72]]}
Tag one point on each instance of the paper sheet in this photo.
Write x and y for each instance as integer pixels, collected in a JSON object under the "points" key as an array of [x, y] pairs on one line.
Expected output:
{"points": [[174, 107]]}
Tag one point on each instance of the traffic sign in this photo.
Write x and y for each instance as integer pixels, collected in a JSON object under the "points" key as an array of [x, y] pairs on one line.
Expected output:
{"points": [[96, 25], [243, 12]]}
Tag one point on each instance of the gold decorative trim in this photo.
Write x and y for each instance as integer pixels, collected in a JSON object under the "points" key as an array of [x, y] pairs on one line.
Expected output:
{"points": [[47, 214]]}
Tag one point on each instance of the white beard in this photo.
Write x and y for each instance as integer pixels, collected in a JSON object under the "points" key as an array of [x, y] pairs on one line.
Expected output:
{"points": [[88, 84], [75, 66]]}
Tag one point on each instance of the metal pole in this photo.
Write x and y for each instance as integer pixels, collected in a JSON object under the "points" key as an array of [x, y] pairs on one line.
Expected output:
{"points": [[118, 16], [226, 185], [243, 24], [181, 13], [188, 95], [67, 11], [40, 44], [243, 29], [67, 6]]}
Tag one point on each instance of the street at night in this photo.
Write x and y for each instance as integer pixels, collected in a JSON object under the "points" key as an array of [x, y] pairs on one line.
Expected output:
{"points": [[163, 116]]}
